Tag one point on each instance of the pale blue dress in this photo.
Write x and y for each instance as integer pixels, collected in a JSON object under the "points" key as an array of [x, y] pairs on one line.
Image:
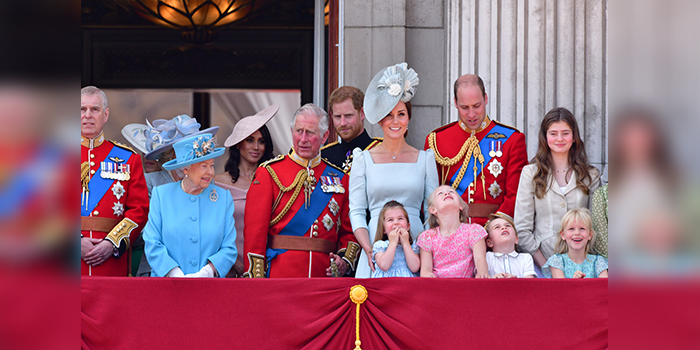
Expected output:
{"points": [[372, 185], [399, 267], [592, 266], [189, 230]]}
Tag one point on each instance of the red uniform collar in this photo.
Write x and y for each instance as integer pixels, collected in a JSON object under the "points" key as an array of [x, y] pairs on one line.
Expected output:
{"points": [[484, 125], [306, 163], [92, 143]]}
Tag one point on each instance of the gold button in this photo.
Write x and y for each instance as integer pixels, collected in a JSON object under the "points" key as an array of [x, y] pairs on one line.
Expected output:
{"points": [[471, 200], [315, 233], [315, 227], [92, 156], [471, 191], [92, 163], [92, 172], [563, 205], [95, 212], [471, 184], [315, 221]]}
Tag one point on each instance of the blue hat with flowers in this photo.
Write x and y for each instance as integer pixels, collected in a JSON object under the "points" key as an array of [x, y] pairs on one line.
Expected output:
{"points": [[194, 149], [391, 85], [155, 138]]}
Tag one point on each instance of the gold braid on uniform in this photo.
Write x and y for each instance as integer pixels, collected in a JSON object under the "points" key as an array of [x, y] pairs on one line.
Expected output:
{"points": [[296, 185], [84, 175], [469, 148]]}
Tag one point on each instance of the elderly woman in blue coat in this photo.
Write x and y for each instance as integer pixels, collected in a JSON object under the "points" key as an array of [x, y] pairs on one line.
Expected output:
{"points": [[190, 230]]}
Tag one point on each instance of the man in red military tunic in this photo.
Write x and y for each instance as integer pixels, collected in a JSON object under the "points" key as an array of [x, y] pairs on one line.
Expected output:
{"points": [[479, 157], [296, 216], [114, 197]]}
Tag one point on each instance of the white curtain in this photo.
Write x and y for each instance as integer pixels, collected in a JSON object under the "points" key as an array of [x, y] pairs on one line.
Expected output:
{"points": [[228, 107]]}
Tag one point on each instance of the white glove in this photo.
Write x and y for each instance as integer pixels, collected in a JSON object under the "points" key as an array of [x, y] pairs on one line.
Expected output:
{"points": [[175, 272], [206, 271]]}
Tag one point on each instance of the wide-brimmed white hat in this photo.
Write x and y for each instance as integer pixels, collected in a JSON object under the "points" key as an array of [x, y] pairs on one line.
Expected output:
{"points": [[193, 149], [391, 85], [250, 124], [155, 138]]}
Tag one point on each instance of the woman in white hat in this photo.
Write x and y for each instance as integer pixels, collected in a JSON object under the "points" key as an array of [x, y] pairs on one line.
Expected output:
{"points": [[190, 230], [249, 145], [393, 170]]}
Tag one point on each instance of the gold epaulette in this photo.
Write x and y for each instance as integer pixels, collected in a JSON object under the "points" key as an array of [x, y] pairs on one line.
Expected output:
{"points": [[273, 160], [443, 127], [507, 126], [121, 145], [332, 165], [375, 141], [330, 145]]}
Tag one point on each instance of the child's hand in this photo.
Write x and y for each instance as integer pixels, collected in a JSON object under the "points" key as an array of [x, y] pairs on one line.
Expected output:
{"points": [[394, 236], [480, 274], [504, 275], [403, 236], [579, 274]]}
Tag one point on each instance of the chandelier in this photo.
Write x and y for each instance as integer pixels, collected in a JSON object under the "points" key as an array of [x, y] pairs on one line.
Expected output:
{"points": [[197, 19]]}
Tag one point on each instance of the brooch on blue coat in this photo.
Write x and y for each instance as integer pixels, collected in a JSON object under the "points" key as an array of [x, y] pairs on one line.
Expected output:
{"points": [[213, 196]]}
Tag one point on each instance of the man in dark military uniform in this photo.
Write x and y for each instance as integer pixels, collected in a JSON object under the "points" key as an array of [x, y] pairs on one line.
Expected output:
{"points": [[296, 215], [348, 120], [479, 157], [114, 197]]}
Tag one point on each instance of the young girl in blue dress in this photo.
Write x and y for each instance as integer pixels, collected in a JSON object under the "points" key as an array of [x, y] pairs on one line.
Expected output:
{"points": [[394, 252], [574, 255]]}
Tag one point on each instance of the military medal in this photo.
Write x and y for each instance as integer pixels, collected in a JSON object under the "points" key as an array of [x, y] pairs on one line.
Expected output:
{"points": [[118, 190], [495, 189], [498, 151], [213, 196], [118, 209], [492, 152], [334, 207], [495, 168], [327, 222]]}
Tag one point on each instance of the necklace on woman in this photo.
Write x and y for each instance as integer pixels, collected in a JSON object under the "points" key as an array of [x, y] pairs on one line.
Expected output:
{"points": [[563, 171], [182, 185], [391, 154]]}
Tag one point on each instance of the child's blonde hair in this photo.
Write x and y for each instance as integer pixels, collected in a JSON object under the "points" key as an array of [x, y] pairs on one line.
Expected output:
{"points": [[433, 220], [579, 214], [380, 234]]}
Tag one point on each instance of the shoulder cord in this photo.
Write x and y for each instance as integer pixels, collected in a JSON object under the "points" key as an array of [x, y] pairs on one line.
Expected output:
{"points": [[296, 185], [470, 147]]}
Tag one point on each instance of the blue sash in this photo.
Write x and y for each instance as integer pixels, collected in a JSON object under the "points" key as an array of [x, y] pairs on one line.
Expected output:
{"points": [[304, 218], [484, 144], [99, 186]]}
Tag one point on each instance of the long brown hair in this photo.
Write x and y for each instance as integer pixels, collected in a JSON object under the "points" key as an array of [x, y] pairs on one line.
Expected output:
{"points": [[380, 234], [577, 154]]}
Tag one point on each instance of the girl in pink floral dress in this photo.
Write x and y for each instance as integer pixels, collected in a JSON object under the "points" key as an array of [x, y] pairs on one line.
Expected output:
{"points": [[451, 247]]}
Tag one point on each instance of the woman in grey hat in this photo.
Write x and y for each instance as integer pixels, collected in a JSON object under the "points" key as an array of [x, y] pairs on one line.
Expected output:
{"points": [[249, 145], [393, 170]]}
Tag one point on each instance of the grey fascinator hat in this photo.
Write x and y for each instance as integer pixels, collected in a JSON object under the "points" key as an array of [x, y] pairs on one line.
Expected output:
{"points": [[391, 85]]}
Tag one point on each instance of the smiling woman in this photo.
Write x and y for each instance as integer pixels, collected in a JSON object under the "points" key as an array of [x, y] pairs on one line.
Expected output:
{"points": [[373, 179], [190, 230], [558, 179], [250, 144]]}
